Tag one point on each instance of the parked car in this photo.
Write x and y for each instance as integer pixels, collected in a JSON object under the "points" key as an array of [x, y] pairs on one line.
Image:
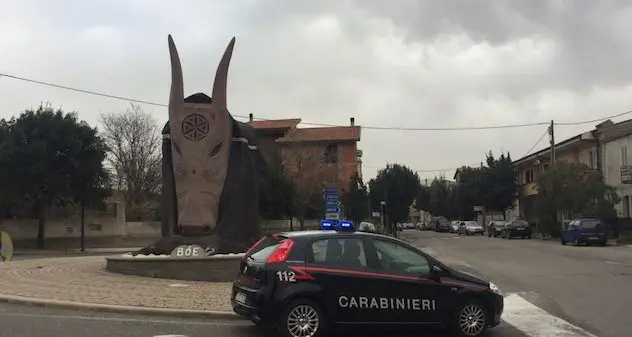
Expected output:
{"points": [[471, 228], [495, 228], [587, 231], [516, 228], [441, 224], [367, 227], [454, 226]]}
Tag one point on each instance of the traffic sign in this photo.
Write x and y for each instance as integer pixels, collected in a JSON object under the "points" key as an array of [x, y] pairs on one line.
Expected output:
{"points": [[332, 216], [330, 189], [330, 197], [332, 203], [335, 209]]}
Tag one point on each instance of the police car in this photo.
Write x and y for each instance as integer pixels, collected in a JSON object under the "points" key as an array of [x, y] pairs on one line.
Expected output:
{"points": [[305, 283]]}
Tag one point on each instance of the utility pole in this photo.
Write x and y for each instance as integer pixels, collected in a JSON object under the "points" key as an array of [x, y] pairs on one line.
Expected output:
{"points": [[552, 140]]}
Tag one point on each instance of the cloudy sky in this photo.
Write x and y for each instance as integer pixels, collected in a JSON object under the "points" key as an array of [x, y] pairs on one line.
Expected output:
{"points": [[405, 63]]}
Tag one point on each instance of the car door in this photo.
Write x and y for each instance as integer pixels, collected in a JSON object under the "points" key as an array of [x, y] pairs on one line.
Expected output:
{"points": [[339, 265], [405, 290], [570, 233]]}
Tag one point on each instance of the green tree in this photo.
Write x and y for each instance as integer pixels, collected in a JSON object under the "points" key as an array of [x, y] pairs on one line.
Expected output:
{"points": [[439, 192], [571, 190], [48, 157], [399, 186], [499, 188], [422, 202], [276, 191], [356, 200]]}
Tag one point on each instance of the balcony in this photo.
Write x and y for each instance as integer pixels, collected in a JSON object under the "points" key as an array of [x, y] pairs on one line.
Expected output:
{"points": [[528, 189], [626, 174]]}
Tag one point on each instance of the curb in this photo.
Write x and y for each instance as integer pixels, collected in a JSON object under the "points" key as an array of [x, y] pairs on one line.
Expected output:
{"points": [[61, 304]]}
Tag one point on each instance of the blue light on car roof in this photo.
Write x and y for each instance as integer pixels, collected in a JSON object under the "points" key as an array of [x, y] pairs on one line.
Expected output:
{"points": [[326, 225], [346, 226]]}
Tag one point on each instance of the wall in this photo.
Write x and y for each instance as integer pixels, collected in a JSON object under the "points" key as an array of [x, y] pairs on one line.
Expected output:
{"points": [[612, 163], [105, 232], [313, 153]]}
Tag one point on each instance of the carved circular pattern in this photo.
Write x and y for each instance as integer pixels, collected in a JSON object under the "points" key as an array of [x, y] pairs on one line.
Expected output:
{"points": [[195, 127]]}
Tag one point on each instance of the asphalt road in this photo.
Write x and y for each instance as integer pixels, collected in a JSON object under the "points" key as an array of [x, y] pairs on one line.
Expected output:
{"points": [[25, 321], [589, 287]]}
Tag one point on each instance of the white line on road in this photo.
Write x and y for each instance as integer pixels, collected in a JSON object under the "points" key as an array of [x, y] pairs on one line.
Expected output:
{"points": [[122, 319], [619, 263], [536, 322]]}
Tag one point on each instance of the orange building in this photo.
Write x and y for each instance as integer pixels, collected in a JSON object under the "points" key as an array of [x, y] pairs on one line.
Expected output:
{"points": [[330, 152]]}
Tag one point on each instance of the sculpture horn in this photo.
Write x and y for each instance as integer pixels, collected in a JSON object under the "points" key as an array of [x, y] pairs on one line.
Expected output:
{"points": [[221, 77], [176, 97]]}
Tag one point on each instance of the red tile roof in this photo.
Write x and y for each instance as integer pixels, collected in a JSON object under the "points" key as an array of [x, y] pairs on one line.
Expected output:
{"points": [[334, 133], [275, 124]]}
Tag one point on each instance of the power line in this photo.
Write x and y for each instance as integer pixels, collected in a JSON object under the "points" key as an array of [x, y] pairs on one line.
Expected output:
{"points": [[595, 120], [395, 128], [427, 170], [536, 143]]}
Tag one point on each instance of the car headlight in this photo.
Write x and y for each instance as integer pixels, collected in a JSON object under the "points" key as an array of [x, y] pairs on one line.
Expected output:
{"points": [[494, 288]]}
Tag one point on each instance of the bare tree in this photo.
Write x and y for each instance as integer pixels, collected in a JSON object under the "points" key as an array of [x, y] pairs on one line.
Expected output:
{"points": [[311, 170], [134, 141]]}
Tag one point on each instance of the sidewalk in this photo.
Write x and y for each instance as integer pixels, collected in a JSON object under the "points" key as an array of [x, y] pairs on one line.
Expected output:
{"points": [[83, 283]]}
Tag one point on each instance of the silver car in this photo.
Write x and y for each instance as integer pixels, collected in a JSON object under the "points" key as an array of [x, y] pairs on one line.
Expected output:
{"points": [[471, 228]]}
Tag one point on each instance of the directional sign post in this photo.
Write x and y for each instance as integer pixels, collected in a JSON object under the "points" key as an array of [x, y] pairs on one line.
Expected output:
{"points": [[332, 203]]}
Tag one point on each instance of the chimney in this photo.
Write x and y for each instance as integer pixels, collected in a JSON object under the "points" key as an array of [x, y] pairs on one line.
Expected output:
{"points": [[250, 117], [352, 120]]}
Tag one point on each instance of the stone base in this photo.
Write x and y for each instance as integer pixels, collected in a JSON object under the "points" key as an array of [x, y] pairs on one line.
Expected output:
{"points": [[217, 268]]}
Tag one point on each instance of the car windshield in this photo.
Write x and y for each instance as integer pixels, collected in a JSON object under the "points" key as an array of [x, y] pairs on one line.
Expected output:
{"points": [[499, 223], [520, 223], [591, 224], [471, 224]]}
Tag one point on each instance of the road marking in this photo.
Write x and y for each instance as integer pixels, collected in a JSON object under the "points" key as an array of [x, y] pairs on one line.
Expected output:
{"points": [[121, 319], [618, 263], [535, 322], [170, 336]]}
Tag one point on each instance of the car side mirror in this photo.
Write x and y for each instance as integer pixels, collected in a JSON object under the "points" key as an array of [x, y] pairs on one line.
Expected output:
{"points": [[437, 272]]}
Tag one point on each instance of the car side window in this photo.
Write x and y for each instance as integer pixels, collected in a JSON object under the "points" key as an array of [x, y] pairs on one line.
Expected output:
{"points": [[397, 258], [572, 225], [342, 253]]}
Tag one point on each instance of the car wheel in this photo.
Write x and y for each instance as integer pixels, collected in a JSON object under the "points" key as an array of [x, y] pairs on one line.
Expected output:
{"points": [[489, 235], [529, 237], [470, 319], [563, 242], [301, 318]]}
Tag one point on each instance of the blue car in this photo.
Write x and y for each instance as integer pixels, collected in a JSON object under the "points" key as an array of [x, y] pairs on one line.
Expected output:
{"points": [[584, 231]]}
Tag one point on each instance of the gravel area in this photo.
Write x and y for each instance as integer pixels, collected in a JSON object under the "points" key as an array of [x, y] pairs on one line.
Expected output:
{"points": [[84, 279]]}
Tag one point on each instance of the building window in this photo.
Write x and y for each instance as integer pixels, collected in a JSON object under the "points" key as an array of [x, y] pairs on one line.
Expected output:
{"points": [[592, 159], [626, 206], [624, 155], [331, 154], [529, 176]]}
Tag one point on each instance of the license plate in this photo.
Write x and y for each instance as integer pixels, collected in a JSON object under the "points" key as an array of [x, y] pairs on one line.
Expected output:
{"points": [[593, 238], [240, 297], [520, 229]]}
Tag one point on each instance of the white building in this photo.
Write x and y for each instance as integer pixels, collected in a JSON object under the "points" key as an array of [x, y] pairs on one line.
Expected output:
{"points": [[616, 159]]}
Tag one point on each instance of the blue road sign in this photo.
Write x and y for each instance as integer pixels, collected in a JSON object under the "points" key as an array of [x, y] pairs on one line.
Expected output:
{"points": [[328, 196], [332, 209], [332, 203]]}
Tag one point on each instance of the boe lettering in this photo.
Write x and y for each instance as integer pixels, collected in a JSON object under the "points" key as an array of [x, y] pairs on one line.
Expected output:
{"points": [[187, 251]]}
